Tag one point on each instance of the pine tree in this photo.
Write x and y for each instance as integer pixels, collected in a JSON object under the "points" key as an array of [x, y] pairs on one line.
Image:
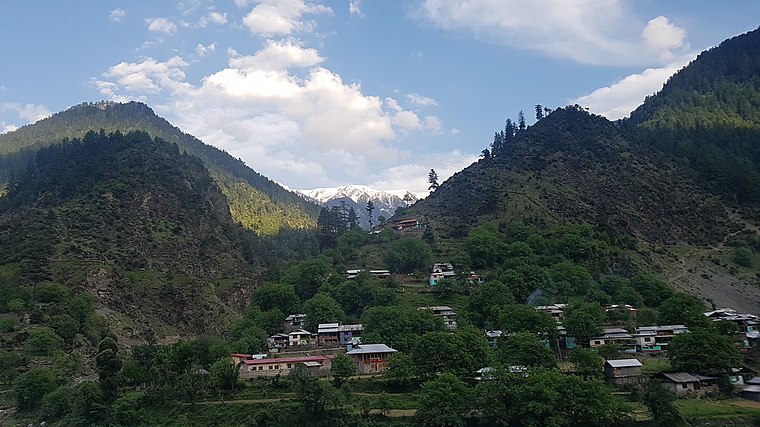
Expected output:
{"points": [[433, 180], [370, 208], [539, 112], [521, 121]]}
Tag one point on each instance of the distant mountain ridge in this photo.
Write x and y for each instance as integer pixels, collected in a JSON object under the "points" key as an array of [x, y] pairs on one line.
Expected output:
{"points": [[357, 196], [255, 201]]}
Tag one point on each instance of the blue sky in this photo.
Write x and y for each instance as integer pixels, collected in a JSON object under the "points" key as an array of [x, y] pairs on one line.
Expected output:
{"points": [[324, 93]]}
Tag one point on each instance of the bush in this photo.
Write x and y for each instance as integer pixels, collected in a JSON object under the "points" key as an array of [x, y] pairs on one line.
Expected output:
{"points": [[42, 341], [31, 387], [742, 257]]}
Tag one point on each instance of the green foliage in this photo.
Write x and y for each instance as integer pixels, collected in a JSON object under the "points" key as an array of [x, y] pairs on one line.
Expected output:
{"points": [[322, 309], [342, 367], [588, 363], [444, 402], [57, 404], [400, 328], [704, 352], [276, 295], [525, 349], [363, 291], [683, 309], [32, 386], [439, 352], [224, 374], [42, 341], [523, 318], [308, 276], [742, 257], [660, 403], [108, 364], [548, 398], [486, 301], [315, 396], [407, 255], [400, 369], [583, 320]]}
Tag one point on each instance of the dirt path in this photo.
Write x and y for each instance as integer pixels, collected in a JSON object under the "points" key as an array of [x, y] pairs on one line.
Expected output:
{"points": [[242, 401]]}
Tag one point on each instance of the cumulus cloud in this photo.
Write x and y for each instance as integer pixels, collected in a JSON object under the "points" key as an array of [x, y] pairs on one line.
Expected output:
{"points": [[213, 18], [28, 112], [7, 127], [202, 50], [421, 101], [277, 55], [117, 15], [149, 76], [354, 7], [619, 99], [282, 17], [161, 25], [587, 31]]}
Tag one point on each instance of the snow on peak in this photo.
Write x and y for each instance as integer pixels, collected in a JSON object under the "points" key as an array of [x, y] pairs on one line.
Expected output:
{"points": [[357, 193]]}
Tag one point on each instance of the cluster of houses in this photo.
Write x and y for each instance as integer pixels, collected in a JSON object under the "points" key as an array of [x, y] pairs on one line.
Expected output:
{"points": [[445, 270]]}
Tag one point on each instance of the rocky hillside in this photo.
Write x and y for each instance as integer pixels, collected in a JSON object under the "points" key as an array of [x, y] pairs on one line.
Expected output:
{"points": [[134, 223], [255, 201]]}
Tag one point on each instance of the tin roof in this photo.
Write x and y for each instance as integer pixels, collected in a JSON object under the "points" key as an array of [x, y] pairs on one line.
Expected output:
{"points": [[371, 348], [623, 363], [680, 377]]}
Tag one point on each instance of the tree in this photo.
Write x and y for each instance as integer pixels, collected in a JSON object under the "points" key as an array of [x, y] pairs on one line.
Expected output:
{"points": [[523, 318], [521, 121], [539, 112], [524, 348], [683, 309], [342, 367], [398, 327], [703, 352], [583, 321], [409, 198], [443, 402], [588, 363], [224, 374], [42, 341], [407, 254], [321, 309], [277, 295], [486, 154], [370, 208], [485, 303], [660, 403], [108, 365], [438, 352], [315, 396], [30, 387], [400, 369], [432, 180]]}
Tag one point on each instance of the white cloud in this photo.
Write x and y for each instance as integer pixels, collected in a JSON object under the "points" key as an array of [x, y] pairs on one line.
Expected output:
{"points": [[454, 131], [7, 127], [149, 76], [413, 176], [242, 3], [282, 17], [213, 17], [277, 55], [161, 25], [421, 101], [27, 112], [622, 97], [354, 7], [433, 124], [600, 32], [117, 15], [202, 50]]}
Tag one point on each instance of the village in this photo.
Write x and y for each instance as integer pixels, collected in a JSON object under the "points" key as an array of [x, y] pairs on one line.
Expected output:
{"points": [[296, 348]]}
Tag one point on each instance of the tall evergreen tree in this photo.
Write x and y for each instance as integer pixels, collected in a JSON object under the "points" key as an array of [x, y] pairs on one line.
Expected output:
{"points": [[432, 180], [521, 121], [539, 112], [370, 208]]}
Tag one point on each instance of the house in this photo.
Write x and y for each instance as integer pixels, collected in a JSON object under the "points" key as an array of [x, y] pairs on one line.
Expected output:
{"points": [[751, 390], [614, 336], [679, 383], [328, 333], [554, 310], [380, 274], [662, 335], [407, 224], [622, 371], [493, 337], [622, 307], [440, 271], [299, 337], [740, 376], [442, 267], [254, 368], [370, 358], [349, 333], [747, 322], [444, 312], [473, 279], [277, 342], [294, 321]]}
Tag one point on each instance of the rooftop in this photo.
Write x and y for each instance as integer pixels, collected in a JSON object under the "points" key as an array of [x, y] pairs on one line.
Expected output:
{"points": [[288, 360], [624, 363], [371, 348], [679, 377]]}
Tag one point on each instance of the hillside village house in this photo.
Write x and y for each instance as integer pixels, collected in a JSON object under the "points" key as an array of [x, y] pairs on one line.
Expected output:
{"points": [[554, 310], [747, 322], [444, 312], [254, 368], [299, 337], [622, 371], [370, 358], [682, 383], [337, 334], [662, 335], [614, 336], [294, 321]]}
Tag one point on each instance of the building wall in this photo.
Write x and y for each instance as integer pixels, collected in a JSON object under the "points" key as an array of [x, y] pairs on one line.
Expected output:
{"points": [[274, 369]]}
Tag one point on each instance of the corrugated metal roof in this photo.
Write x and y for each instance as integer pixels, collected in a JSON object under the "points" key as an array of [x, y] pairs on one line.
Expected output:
{"points": [[371, 348], [624, 363], [288, 360], [680, 377]]}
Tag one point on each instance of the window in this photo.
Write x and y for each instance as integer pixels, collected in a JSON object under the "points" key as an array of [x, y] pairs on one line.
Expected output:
{"points": [[683, 385], [289, 366], [277, 366]]}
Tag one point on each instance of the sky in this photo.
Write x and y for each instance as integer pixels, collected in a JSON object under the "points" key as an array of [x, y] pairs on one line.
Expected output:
{"points": [[320, 93]]}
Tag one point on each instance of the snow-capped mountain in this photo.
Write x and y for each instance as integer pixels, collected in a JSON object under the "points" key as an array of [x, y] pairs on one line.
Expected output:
{"points": [[357, 196]]}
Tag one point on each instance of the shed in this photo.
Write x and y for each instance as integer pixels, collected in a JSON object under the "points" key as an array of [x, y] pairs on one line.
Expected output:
{"points": [[679, 382], [622, 371]]}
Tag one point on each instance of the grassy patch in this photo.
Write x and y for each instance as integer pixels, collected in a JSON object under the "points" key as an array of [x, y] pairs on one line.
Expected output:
{"points": [[703, 409], [654, 365]]}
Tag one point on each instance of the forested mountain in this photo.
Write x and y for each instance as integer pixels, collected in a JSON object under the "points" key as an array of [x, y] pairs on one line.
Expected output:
{"points": [[255, 201], [708, 115], [132, 222]]}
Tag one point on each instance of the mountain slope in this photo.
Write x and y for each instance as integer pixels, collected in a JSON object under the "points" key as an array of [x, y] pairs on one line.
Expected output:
{"points": [[357, 196], [136, 224], [708, 115], [576, 167], [255, 201]]}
